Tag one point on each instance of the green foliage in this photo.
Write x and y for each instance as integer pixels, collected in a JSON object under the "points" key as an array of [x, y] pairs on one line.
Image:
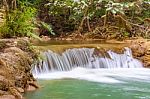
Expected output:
{"points": [[73, 11], [115, 8], [69, 15], [47, 27], [146, 9], [19, 22]]}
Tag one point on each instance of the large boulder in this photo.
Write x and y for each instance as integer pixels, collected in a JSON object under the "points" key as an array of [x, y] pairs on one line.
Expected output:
{"points": [[16, 58]]}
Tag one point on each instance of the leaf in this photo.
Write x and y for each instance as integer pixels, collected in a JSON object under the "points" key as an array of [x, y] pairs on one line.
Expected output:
{"points": [[47, 27], [113, 11], [33, 35], [110, 8]]}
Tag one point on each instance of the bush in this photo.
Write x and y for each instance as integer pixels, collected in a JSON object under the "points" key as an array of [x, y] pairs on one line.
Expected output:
{"points": [[19, 23]]}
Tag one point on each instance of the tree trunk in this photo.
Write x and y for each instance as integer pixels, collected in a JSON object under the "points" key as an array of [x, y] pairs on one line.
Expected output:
{"points": [[82, 21], [88, 24], [85, 17]]}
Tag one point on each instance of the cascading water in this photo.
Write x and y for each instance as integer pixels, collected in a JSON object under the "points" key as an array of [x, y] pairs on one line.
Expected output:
{"points": [[84, 57], [117, 76]]}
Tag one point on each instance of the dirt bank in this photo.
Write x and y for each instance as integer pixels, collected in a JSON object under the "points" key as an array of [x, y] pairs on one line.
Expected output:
{"points": [[16, 57]]}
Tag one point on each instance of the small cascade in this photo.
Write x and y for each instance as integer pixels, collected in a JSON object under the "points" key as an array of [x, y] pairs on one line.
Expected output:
{"points": [[84, 57]]}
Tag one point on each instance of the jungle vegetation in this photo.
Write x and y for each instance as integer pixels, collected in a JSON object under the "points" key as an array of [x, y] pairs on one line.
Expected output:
{"points": [[95, 19]]}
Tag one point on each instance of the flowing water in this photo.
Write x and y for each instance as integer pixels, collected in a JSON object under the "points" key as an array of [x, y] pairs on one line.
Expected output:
{"points": [[81, 83], [84, 57], [84, 74]]}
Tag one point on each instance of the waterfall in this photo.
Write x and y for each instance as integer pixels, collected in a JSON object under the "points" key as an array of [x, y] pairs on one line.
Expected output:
{"points": [[84, 57]]}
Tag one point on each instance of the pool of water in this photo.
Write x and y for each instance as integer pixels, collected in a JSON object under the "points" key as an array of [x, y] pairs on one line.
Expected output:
{"points": [[94, 84]]}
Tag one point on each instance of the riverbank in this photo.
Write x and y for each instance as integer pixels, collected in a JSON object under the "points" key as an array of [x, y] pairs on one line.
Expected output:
{"points": [[16, 57]]}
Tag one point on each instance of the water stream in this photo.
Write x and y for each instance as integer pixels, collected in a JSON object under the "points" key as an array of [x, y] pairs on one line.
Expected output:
{"points": [[94, 84], [82, 74], [84, 57]]}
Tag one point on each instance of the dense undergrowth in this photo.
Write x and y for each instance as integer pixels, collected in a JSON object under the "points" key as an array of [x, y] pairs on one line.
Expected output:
{"points": [[101, 19]]}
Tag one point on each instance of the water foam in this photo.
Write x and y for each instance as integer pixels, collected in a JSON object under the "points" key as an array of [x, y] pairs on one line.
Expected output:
{"points": [[83, 64], [84, 57], [100, 75]]}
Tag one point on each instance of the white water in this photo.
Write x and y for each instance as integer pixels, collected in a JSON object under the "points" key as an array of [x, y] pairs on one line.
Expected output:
{"points": [[84, 64], [84, 57], [101, 75]]}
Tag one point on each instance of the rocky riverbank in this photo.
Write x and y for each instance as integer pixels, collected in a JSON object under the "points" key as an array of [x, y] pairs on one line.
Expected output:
{"points": [[16, 57]]}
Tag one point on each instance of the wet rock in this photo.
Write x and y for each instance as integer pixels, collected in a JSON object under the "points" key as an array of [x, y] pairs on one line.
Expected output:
{"points": [[146, 60], [7, 97], [31, 88], [33, 83]]}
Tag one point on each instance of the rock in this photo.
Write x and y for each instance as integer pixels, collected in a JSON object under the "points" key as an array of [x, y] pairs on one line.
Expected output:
{"points": [[3, 93], [148, 51], [139, 48], [45, 38], [146, 60], [2, 63], [20, 89], [68, 39], [15, 92], [7, 97], [31, 88], [13, 50], [33, 83], [4, 84], [16, 58]]}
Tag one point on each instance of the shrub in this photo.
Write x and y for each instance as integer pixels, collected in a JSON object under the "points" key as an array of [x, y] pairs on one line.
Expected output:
{"points": [[19, 23]]}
